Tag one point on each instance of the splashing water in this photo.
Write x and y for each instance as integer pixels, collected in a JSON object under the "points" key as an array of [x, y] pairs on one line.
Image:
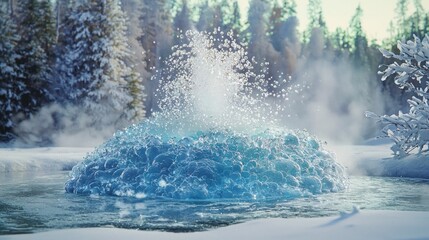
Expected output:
{"points": [[216, 137], [214, 87]]}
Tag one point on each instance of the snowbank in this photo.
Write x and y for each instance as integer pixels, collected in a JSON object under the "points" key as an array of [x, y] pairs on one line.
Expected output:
{"points": [[413, 166], [376, 159], [40, 159], [356, 225]]}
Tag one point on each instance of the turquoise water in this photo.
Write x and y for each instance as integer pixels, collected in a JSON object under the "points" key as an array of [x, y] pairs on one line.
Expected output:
{"points": [[32, 202]]}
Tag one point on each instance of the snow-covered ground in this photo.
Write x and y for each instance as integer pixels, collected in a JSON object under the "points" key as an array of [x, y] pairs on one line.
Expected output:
{"points": [[40, 159], [375, 159], [355, 225], [372, 159]]}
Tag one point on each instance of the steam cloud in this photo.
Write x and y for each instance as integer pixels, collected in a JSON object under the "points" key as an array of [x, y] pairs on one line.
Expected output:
{"points": [[329, 100]]}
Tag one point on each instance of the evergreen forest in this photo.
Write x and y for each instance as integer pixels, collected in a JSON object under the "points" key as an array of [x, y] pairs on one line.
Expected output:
{"points": [[69, 65]]}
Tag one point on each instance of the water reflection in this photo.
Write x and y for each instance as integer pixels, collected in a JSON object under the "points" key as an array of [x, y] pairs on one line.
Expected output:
{"points": [[36, 202]]}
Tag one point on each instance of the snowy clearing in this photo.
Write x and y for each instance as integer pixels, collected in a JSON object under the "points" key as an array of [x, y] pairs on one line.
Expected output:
{"points": [[355, 225], [377, 160], [40, 159]]}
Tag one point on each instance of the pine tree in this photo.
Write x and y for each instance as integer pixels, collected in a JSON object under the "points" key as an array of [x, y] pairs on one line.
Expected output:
{"points": [[283, 22], [116, 87], [129, 79], [13, 88], [416, 21], [182, 23], [275, 22], [260, 47], [157, 32], [224, 15], [78, 62], [62, 66], [35, 47], [235, 23], [139, 76], [136, 109], [360, 42], [217, 22], [283, 37], [401, 18], [221, 23], [341, 42], [316, 44], [206, 15], [215, 17], [257, 29], [97, 77], [406, 26], [48, 37], [62, 7], [11, 7], [426, 23], [315, 19], [37, 26], [156, 39], [289, 8], [257, 21]]}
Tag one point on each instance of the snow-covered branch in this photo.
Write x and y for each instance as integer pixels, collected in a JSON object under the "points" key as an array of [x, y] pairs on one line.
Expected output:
{"points": [[410, 71]]}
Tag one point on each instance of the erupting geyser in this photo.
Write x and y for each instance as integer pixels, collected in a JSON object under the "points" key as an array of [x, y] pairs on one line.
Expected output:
{"points": [[215, 137]]}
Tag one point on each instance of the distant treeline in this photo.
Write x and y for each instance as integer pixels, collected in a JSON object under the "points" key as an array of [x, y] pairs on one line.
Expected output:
{"points": [[96, 57]]}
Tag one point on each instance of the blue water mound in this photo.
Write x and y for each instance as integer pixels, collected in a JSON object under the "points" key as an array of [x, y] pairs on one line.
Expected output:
{"points": [[208, 165]]}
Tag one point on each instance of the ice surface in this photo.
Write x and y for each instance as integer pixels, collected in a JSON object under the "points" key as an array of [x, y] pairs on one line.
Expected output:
{"points": [[208, 165]]}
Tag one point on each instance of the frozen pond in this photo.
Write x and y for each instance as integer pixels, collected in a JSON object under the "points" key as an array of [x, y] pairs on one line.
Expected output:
{"points": [[32, 202]]}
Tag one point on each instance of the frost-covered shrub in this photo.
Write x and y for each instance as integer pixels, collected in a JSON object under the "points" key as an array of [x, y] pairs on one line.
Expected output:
{"points": [[409, 131]]}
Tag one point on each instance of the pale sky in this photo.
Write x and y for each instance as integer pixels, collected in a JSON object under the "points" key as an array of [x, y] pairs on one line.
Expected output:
{"points": [[377, 14]]}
